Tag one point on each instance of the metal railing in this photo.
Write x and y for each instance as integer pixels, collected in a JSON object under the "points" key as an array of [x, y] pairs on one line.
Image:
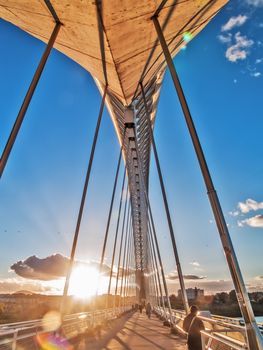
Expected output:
{"points": [[224, 333], [26, 332]]}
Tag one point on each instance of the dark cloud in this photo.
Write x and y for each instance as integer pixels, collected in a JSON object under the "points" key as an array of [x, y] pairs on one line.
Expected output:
{"points": [[52, 267], [49, 268], [173, 276]]}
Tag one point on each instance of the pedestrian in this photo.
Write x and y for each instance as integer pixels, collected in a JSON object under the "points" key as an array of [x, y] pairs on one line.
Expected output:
{"points": [[140, 308], [148, 310], [193, 326]]}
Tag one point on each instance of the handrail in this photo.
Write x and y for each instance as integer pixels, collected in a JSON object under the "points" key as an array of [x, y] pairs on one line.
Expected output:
{"points": [[208, 337], [11, 333], [234, 336], [227, 319]]}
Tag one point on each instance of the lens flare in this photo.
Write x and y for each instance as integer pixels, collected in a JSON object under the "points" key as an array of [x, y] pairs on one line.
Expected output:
{"points": [[187, 37], [51, 341], [51, 321]]}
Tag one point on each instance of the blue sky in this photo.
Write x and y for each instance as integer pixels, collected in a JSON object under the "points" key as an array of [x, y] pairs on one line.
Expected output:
{"points": [[221, 71]]}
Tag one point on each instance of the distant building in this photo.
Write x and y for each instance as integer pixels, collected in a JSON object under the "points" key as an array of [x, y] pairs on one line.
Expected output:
{"points": [[192, 293]]}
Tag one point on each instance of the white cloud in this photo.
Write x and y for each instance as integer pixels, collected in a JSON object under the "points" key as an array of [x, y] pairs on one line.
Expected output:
{"points": [[256, 74], [225, 39], [234, 213], [234, 22], [239, 50], [256, 3], [195, 263], [258, 60], [255, 221], [12, 285], [248, 205]]}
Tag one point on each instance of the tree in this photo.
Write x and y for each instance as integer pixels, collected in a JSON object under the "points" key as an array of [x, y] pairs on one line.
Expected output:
{"points": [[232, 296]]}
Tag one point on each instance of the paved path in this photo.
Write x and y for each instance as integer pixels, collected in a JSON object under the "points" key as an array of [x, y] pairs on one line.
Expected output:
{"points": [[135, 332]]}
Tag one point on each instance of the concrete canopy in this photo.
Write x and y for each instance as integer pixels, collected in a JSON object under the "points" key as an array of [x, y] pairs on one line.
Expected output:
{"points": [[121, 33]]}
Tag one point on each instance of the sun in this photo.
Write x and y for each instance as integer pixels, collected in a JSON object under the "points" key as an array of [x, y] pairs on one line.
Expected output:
{"points": [[84, 282]]}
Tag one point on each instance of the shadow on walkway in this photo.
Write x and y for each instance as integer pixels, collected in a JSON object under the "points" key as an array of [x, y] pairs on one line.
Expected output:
{"points": [[133, 331]]}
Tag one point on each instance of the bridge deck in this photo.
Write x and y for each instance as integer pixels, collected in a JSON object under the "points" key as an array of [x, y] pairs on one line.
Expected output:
{"points": [[135, 332]]}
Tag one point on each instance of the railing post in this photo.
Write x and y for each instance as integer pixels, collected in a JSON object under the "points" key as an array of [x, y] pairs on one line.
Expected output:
{"points": [[14, 340], [27, 99], [255, 340]]}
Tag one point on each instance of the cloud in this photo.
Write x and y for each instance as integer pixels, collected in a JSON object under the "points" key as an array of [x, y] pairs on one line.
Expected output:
{"points": [[225, 39], [195, 263], [174, 276], [248, 205], [258, 60], [234, 213], [12, 285], [255, 221], [210, 286], [256, 3], [240, 49], [50, 268], [256, 74], [234, 22]]}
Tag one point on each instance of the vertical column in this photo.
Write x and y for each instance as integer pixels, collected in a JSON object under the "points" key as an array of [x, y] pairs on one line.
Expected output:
{"points": [[150, 218], [166, 206], [27, 99], [255, 340]]}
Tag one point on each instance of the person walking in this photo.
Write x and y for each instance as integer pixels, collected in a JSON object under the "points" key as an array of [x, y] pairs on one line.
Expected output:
{"points": [[193, 326], [148, 310]]}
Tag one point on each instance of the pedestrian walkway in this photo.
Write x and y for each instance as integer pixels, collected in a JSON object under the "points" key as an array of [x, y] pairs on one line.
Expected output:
{"points": [[136, 332]]}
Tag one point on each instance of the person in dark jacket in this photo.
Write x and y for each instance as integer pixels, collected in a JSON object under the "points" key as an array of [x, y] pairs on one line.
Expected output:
{"points": [[192, 325], [148, 310]]}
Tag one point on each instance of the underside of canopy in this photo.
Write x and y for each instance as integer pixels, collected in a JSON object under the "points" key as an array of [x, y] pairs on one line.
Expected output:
{"points": [[115, 40]]}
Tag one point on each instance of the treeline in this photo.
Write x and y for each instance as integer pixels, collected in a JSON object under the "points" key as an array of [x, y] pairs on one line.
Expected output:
{"points": [[223, 303]]}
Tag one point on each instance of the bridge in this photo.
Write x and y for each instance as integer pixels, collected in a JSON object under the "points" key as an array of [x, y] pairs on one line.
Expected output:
{"points": [[127, 46]]}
